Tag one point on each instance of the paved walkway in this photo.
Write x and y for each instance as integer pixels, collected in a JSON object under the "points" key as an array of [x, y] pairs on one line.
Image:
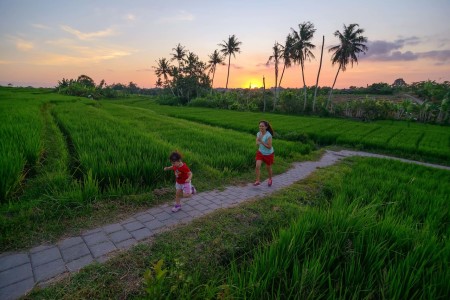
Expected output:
{"points": [[21, 271]]}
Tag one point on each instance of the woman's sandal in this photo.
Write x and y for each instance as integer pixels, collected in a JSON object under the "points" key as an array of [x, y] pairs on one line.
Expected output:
{"points": [[256, 183]]}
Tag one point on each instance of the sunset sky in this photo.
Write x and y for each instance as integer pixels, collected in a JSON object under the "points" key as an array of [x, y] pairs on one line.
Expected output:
{"points": [[43, 41]]}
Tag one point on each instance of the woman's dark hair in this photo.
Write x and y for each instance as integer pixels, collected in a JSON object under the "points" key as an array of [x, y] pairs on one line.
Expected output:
{"points": [[175, 156], [268, 126]]}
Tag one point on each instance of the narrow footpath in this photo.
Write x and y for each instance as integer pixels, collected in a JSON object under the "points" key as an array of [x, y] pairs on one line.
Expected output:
{"points": [[21, 271]]}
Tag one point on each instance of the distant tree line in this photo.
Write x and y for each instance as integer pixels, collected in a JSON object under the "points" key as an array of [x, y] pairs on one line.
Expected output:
{"points": [[84, 86], [433, 107]]}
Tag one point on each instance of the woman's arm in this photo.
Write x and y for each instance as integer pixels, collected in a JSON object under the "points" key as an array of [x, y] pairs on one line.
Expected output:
{"points": [[268, 144]]}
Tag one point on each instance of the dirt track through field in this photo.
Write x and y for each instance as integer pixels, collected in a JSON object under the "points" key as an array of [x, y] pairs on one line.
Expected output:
{"points": [[21, 271]]}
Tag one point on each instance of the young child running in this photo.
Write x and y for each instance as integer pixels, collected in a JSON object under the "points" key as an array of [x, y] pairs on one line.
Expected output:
{"points": [[183, 175]]}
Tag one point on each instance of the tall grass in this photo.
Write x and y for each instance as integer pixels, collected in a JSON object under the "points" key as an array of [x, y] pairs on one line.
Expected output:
{"points": [[385, 235]]}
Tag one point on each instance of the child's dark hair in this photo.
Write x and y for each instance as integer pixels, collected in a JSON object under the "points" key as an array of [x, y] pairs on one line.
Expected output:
{"points": [[175, 156], [269, 127]]}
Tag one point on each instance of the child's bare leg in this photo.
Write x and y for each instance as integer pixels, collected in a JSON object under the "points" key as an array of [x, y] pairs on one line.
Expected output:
{"points": [[178, 197]]}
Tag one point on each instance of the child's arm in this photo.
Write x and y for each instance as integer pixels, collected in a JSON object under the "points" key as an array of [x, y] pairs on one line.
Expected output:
{"points": [[189, 177], [168, 168]]}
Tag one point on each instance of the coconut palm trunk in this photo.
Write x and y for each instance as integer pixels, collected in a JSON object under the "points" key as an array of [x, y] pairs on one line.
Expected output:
{"points": [[331, 91], [318, 74], [304, 86], [212, 81], [228, 73]]}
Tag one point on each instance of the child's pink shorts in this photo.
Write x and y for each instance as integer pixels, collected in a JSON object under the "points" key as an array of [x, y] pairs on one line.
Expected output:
{"points": [[186, 187]]}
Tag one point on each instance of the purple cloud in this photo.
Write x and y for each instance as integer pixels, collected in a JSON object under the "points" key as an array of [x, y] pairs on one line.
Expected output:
{"points": [[391, 51]]}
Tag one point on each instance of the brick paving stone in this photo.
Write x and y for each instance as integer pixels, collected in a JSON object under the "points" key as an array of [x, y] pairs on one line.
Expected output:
{"points": [[126, 244], [163, 216], [195, 213], [70, 242], [171, 222], [145, 217], [155, 224], [15, 274], [133, 226], [180, 214], [140, 214], [191, 202], [120, 236], [205, 201], [157, 210], [75, 252], [92, 231], [49, 270], [187, 207], [95, 238], [40, 248], [45, 256], [141, 234], [129, 220], [200, 207], [209, 197], [77, 264], [14, 291], [214, 206], [98, 250], [8, 261], [112, 228]]}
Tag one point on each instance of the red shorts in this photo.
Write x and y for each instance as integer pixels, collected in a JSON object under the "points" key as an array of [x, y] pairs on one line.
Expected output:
{"points": [[267, 159]]}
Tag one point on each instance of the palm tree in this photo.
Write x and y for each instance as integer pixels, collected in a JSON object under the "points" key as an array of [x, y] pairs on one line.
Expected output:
{"points": [[178, 54], [287, 48], [276, 56], [164, 69], [229, 48], [352, 42], [214, 59], [302, 48]]}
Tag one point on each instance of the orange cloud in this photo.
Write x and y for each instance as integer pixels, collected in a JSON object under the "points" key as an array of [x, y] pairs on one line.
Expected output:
{"points": [[89, 35]]}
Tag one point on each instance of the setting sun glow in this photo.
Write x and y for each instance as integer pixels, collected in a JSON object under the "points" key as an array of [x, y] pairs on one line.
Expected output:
{"points": [[252, 84]]}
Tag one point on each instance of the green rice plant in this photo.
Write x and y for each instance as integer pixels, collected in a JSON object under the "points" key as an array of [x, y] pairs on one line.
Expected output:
{"points": [[436, 142], [20, 142], [11, 170], [90, 189]]}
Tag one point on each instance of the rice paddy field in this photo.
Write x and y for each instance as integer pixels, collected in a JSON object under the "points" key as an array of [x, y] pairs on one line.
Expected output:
{"points": [[405, 139], [362, 229]]}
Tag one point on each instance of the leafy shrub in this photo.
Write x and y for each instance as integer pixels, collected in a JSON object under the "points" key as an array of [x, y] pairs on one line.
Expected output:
{"points": [[168, 100]]}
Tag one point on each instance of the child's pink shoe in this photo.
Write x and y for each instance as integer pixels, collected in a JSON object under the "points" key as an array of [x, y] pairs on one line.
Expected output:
{"points": [[176, 208]]}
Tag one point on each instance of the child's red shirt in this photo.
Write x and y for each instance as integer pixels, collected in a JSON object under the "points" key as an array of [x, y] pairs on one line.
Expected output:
{"points": [[181, 173]]}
